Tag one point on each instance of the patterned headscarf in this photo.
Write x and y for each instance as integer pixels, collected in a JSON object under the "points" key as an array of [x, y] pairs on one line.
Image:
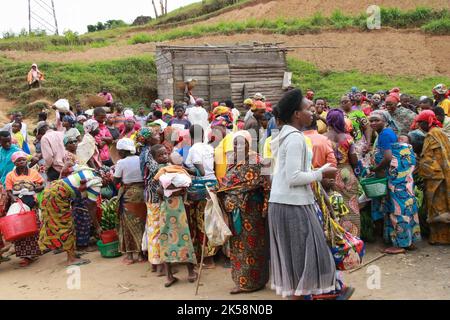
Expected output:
{"points": [[145, 133], [90, 125], [221, 111], [386, 117], [222, 121], [427, 116], [18, 155], [70, 120], [336, 120], [258, 105], [440, 89]]}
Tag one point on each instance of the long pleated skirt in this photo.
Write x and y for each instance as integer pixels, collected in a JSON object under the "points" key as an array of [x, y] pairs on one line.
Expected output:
{"points": [[301, 262]]}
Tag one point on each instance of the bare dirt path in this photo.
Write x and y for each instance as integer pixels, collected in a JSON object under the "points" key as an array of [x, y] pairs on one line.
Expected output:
{"points": [[423, 274], [391, 52]]}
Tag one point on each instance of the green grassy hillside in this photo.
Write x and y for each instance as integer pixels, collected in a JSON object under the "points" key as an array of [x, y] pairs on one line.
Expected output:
{"points": [[133, 81]]}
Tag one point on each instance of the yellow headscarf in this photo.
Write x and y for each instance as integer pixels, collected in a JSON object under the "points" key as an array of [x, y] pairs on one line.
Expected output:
{"points": [[221, 110]]}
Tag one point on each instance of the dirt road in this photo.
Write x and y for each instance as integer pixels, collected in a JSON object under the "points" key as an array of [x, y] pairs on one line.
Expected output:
{"points": [[423, 274]]}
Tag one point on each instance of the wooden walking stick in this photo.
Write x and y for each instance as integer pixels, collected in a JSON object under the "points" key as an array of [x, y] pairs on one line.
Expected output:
{"points": [[369, 262], [201, 263]]}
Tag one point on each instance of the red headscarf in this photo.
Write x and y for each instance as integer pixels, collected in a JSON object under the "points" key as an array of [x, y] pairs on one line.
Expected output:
{"points": [[427, 116], [393, 97], [395, 90]]}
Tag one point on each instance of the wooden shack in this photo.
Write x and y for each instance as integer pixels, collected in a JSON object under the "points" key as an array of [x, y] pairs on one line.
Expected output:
{"points": [[221, 72]]}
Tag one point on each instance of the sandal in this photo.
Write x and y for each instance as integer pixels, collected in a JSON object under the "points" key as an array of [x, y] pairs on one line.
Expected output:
{"points": [[25, 262], [171, 282], [79, 262]]}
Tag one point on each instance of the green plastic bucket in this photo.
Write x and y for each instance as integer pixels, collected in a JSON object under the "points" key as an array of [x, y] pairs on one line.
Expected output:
{"points": [[109, 250], [374, 187]]}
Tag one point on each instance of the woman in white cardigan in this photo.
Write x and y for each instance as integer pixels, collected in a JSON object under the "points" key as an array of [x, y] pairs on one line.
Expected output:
{"points": [[301, 262]]}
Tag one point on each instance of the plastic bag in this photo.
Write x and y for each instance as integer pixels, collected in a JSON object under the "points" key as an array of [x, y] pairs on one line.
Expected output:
{"points": [[144, 244], [216, 229], [62, 105], [18, 207]]}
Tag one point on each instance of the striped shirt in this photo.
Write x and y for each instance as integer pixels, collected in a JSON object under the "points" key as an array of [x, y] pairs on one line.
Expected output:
{"points": [[74, 181]]}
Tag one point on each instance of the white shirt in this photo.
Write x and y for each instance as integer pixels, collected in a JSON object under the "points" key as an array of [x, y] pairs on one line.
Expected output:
{"points": [[248, 115], [129, 169], [202, 153], [141, 119], [197, 115], [161, 123], [236, 114]]}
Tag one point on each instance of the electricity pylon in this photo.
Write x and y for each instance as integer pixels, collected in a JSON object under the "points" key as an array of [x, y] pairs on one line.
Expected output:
{"points": [[42, 15]]}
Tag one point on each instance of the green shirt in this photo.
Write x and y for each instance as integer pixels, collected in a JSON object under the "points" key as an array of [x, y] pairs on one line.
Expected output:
{"points": [[80, 128], [359, 120]]}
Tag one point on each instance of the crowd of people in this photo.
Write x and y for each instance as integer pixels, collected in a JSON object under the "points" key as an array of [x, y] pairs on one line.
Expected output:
{"points": [[278, 172]]}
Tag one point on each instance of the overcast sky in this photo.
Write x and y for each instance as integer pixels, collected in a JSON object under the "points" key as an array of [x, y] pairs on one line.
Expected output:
{"points": [[77, 14]]}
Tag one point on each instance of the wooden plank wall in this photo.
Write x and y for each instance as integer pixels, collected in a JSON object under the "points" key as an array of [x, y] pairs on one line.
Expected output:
{"points": [[164, 69], [260, 72], [211, 71], [221, 74]]}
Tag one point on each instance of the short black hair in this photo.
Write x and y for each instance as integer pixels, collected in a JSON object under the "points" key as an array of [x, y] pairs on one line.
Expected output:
{"points": [[229, 104], [178, 106], [158, 114], [324, 100], [427, 101], [155, 149], [98, 111], [46, 126], [289, 103], [404, 95], [5, 134], [42, 116], [19, 123]]}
